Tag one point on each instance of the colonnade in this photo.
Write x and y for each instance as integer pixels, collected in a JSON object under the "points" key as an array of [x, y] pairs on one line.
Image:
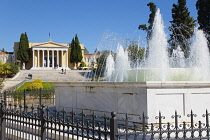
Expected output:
{"points": [[39, 56]]}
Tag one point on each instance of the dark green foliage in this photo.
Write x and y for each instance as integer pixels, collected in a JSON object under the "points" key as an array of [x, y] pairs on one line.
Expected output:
{"points": [[203, 7], [14, 70], [73, 51], [146, 28], [101, 62], [23, 53], [182, 27], [76, 51], [135, 54], [82, 64], [3, 50], [86, 51]]}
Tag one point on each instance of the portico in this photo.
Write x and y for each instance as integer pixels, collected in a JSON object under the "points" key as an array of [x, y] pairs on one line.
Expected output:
{"points": [[50, 55], [45, 57]]}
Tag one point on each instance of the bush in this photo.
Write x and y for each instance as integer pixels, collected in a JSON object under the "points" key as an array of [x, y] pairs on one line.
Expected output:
{"points": [[14, 70], [48, 95], [35, 86], [37, 81], [82, 64]]}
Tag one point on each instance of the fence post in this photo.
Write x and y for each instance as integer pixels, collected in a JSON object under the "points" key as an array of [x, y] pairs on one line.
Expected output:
{"points": [[2, 121], [40, 97], [24, 98], [42, 119], [113, 126], [5, 97]]}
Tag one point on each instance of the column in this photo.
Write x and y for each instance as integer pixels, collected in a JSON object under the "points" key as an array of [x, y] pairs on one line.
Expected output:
{"points": [[38, 58], [48, 59], [58, 58], [67, 59], [62, 58], [42, 58], [53, 59], [33, 58]]}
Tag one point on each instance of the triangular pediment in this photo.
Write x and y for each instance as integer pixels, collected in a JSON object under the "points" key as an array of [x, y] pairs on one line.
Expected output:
{"points": [[51, 44]]}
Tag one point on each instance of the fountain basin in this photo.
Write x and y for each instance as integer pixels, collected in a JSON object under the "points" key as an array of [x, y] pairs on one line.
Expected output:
{"points": [[173, 74], [137, 97]]}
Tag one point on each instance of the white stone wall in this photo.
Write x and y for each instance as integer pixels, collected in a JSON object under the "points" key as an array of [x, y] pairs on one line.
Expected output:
{"points": [[137, 97]]}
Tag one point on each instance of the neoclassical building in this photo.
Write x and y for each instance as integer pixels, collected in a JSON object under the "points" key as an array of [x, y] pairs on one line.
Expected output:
{"points": [[48, 55], [90, 59], [7, 57]]}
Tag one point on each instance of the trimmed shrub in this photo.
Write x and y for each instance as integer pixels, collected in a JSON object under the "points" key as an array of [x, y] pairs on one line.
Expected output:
{"points": [[82, 64], [14, 70], [37, 81], [35, 86]]}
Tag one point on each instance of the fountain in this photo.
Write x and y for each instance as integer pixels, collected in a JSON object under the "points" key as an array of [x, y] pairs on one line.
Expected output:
{"points": [[157, 68], [162, 84]]}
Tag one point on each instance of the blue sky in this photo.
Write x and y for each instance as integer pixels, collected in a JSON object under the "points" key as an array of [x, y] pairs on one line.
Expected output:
{"points": [[90, 19]]}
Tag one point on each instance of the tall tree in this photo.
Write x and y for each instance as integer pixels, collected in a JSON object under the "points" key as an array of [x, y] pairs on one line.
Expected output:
{"points": [[76, 51], [23, 53], [3, 50], [182, 27], [203, 7], [148, 28]]}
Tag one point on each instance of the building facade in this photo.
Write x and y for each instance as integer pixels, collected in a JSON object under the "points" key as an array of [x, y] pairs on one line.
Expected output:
{"points": [[90, 59], [7, 57], [48, 55]]}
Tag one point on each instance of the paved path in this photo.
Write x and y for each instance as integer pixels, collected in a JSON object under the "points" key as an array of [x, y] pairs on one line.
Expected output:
{"points": [[45, 76]]}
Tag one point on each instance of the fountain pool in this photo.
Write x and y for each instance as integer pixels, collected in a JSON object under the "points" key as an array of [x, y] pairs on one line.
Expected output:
{"points": [[164, 84]]}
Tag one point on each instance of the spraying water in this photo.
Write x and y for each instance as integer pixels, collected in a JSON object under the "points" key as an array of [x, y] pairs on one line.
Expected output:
{"points": [[109, 67], [156, 67], [199, 55], [177, 58], [158, 56], [121, 65]]}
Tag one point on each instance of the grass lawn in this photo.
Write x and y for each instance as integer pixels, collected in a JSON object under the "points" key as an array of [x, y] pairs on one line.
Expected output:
{"points": [[46, 85]]}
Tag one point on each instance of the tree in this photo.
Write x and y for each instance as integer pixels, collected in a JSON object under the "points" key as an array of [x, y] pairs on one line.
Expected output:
{"points": [[3, 50], [135, 53], [101, 63], [5, 69], [182, 27], [23, 53], [76, 51], [146, 28], [86, 51], [203, 7]]}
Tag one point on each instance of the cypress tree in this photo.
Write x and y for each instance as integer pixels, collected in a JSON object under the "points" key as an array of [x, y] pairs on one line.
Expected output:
{"points": [[23, 53], [76, 51], [146, 28], [203, 8], [72, 54], [182, 27]]}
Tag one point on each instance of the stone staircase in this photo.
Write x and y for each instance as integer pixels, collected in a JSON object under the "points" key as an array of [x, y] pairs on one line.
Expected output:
{"points": [[51, 75], [45, 76]]}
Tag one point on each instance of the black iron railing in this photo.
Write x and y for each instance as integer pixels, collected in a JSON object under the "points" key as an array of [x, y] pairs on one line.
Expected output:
{"points": [[44, 123], [47, 123]]}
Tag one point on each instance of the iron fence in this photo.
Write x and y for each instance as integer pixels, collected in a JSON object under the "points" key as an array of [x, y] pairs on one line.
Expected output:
{"points": [[16, 86], [29, 97], [47, 123]]}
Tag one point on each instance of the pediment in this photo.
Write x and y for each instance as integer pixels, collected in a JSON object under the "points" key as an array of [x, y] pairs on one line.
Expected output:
{"points": [[51, 44]]}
